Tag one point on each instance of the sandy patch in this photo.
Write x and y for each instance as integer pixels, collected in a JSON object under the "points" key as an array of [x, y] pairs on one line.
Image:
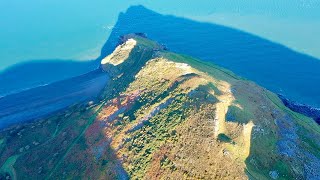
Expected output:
{"points": [[120, 54]]}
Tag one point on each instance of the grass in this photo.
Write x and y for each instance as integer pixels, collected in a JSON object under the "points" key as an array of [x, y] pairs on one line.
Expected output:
{"points": [[241, 116], [1, 143], [224, 138], [266, 147], [7, 167], [235, 114], [302, 120], [151, 136], [183, 127], [207, 67], [90, 121], [215, 89], [307, 126], [147, 43]]}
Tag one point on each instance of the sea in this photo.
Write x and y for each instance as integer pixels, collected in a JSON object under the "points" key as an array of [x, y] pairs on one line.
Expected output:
{"points": [[77, 29]]}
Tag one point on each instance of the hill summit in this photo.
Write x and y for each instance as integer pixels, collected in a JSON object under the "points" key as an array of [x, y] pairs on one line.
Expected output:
{"points": [[166, 115]]}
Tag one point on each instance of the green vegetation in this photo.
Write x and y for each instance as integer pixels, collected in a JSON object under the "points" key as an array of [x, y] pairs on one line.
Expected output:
{"points": [[90, 121], [2, 143], [153, 135], [235, 114], [159, 118], [211, 69], [7, 167], [224, 138]]}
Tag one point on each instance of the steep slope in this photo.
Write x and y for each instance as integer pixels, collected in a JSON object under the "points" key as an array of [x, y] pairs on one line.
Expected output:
{"points": [[165, 116]]}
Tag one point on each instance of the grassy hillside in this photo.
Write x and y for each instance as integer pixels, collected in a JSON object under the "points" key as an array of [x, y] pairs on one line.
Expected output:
{"points": [[166, 115]]}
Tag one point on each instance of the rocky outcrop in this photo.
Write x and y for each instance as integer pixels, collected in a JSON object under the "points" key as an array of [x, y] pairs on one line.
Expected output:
{"points": [[302, 108]]}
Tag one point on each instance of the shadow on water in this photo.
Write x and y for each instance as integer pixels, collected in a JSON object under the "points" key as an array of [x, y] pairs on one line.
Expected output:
{"points": [[41, 72], [269, 64], [41, 101]]}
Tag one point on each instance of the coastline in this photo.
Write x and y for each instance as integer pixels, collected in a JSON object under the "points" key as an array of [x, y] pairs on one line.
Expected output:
{"points": [[304, 109]]}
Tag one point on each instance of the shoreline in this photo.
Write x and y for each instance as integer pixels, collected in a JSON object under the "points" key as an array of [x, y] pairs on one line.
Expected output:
{"points": [[304, 109]]}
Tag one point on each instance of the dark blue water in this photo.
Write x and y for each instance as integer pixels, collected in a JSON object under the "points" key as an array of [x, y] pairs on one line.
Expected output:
{"points": [[76, 29], [269, 64], [41, 101], [41, 72]]}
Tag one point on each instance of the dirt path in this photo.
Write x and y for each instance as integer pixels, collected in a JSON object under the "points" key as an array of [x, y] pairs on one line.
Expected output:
{"points": [[222, 107]]}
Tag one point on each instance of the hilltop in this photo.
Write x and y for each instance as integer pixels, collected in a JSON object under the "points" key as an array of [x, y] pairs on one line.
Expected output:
{"points": [[164, 115]]}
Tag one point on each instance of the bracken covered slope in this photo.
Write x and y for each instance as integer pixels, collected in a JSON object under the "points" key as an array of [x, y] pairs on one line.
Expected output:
{"points": [[166, 116]]}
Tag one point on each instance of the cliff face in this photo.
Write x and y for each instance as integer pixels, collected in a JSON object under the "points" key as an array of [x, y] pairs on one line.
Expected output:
{"points": [[166, 115]]}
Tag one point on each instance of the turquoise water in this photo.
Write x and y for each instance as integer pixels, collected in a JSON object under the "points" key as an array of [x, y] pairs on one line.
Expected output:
{"points": [[77, 29]]}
